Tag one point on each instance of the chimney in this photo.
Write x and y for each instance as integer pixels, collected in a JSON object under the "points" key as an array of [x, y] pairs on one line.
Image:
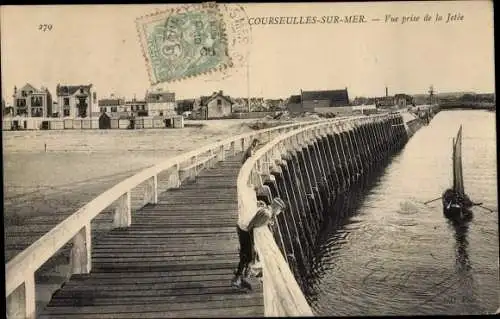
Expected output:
{"points": [[386, 91], [220, 92]]}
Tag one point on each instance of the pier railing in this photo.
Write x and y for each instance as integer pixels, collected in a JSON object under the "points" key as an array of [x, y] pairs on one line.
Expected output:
{"points": [[76, 229], [282, 293]]}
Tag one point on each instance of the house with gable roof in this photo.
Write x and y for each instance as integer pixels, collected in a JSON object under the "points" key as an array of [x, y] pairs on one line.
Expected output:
{"points": [[32, 102], [328, 98], [216, 105], [160, 102], [77, 101]]}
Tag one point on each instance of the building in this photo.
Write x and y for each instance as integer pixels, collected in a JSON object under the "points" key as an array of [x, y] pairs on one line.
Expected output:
{"points": [[310, 101], [274, 104], [382, 101], [364, 109], [7, 110], [257, 104], [76, 101], [403, 100], [136, 107], [330, 98], [111, 105], [184, 106], [161, 103], [216, 105], [294, 105], [32, 102]]}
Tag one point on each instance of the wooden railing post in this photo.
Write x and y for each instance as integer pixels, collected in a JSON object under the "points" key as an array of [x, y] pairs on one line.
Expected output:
{"points": [[151, 191], [21, 303], [174, 179], [221, 156], [243, 144], [81, 252], [232, 148], [123, 213]]}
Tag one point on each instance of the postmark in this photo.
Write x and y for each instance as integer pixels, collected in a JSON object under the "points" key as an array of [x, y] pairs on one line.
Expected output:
{"points": [[239, 39], [183, 42]]}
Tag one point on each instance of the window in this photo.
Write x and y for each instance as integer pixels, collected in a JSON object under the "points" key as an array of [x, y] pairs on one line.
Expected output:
{"points": [[36, 101], [113, 109], [125, 109], [81, 91], [66, 101], [219, 102], [103, 109], [24, 93], [66, 112], [36, 111], [143, 107], [21, 103]]}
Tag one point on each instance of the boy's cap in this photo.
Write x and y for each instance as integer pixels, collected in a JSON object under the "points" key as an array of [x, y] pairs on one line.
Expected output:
{"points": [[261, 203]]}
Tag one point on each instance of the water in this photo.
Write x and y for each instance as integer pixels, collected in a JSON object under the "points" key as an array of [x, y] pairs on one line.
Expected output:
{"points": [[396, 256]]}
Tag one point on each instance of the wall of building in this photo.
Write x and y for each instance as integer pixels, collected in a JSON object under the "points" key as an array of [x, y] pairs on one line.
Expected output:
{"points": [[215, 110], [167, 108], [298, 108], [337, 110], [315, 104], [92, 104], [45, 106]]}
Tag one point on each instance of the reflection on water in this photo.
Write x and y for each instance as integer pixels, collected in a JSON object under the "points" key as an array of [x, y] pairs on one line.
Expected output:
{"points": [[463, 266], [386, 253]]}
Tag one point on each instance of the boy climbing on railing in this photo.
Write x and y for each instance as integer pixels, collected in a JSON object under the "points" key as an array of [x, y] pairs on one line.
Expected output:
{"points": [[250, 150], [245, 227]]}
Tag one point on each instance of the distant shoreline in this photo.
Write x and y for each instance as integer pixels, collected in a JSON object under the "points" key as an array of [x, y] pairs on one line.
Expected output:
{"points": [[467, 106]]}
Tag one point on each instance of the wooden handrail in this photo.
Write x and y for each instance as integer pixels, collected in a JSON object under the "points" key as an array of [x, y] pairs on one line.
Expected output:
{"points": [[282, 293], [20, 270]]}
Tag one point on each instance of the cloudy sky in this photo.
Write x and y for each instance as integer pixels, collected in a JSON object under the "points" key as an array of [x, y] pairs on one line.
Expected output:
{"points": [[99, 45]]}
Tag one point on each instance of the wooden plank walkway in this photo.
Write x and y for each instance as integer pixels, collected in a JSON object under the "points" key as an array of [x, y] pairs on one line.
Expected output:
{"points": [[176, 260]]}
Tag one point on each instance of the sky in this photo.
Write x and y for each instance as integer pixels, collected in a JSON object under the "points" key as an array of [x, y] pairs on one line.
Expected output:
{"points": [[99, 44]]}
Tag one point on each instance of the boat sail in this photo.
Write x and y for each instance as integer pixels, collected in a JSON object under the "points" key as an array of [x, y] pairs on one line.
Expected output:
{"points": [[455, 201], [458, 178]]}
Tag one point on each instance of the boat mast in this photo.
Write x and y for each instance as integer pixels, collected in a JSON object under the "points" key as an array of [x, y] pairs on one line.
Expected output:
{"points": [[453, 166], [431, 94]]}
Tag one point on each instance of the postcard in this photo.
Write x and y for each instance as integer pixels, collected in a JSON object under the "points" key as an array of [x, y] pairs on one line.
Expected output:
{"points": [[249, 159]]}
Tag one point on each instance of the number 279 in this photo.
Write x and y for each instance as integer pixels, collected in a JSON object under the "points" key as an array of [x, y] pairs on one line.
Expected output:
{"points": [[45, 27]]}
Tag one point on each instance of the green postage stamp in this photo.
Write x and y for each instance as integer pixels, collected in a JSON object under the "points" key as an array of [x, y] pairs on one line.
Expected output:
{"points": [[183, 42]]}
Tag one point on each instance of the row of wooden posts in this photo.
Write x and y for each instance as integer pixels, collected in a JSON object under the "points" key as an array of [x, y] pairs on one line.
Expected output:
{"points": [[311, 178]]}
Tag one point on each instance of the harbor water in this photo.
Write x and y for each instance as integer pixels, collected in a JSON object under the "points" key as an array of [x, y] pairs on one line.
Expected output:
{"points": [[393, 255]]}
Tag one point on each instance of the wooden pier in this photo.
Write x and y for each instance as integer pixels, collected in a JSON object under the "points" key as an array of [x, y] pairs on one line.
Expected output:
{"points": [[175, 260], [172, 247]]}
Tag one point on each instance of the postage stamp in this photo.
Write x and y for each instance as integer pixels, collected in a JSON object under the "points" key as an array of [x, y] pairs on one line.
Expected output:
{"points": [[183, 42]]}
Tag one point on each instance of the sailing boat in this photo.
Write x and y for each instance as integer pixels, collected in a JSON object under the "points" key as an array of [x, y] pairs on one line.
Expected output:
{"points": [[456, 204]]}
